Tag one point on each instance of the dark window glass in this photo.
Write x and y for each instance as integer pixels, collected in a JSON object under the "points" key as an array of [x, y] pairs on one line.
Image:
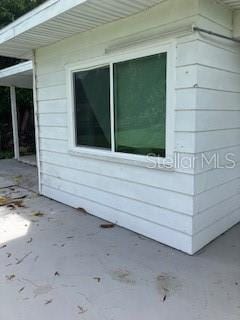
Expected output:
{"points": [[140, 105], [92, 108]]}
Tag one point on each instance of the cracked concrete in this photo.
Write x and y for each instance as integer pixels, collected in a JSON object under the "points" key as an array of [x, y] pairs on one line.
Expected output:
{"points": [[70, 268]]}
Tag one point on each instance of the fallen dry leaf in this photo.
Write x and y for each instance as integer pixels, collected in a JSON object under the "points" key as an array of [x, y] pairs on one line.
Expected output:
{"points": [[82, 210], [23, 258], [21, 290], [107, 225], [3, 201], [81, 310], [38, 214], [11, 206], [18, 203], [11, 203]]}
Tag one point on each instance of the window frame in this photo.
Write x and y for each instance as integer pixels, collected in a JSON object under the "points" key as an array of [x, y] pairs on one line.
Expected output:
{"points": [[109, 60]]}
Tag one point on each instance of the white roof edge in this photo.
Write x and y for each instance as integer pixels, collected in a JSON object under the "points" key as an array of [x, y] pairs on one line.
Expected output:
{"points": [[51, 9], [44, 25], [17, 69], [37, 16]]}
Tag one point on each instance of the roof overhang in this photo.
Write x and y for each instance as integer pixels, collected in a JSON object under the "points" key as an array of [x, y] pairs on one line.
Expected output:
{"points": [[20, 75], [58, 19]]}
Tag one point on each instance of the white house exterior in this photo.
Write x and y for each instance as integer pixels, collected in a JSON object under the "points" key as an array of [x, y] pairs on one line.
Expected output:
{"points": [[183, 204]]}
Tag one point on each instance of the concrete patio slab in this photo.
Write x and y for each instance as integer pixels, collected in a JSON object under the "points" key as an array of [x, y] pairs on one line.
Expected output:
{"points": [[19, 174], [5, 183], [58, 263], [30, 159]]}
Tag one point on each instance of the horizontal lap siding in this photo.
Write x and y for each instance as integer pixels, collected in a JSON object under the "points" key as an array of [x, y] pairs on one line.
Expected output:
{"points": [[207, 218], [53, 132], [157, 203], [207, 120], [217, 132], [140, 192], [128, 203], [150, 229], [215, 177], [228, 220], [202, 99], [211, 197], [52, 93], [53, 119], [52, 106]]}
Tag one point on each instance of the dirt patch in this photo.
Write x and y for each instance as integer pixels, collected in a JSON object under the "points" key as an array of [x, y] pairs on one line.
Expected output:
{"points": [[38, 214], [41, 290], [123, 276], [167, 285]]}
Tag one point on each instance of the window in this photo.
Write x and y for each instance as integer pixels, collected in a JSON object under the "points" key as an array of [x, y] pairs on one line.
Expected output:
{"points": [[120, 107], [140, 105], [92, 108]]}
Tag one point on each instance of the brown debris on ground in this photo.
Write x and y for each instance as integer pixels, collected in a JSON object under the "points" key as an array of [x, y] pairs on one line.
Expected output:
{"points": [[11, 277], [98, 279], [107, 225], [81, 310], [38, 214], [21, 290], [83, 211], [23, 258], [12, 203]]}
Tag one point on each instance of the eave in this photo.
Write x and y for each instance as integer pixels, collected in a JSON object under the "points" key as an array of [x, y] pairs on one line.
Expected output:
{"points": [[59, 19], [20, 75]]}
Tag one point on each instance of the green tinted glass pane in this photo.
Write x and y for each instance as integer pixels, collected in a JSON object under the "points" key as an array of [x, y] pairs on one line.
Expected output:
{"points": [[92, 108], [140, 105]]}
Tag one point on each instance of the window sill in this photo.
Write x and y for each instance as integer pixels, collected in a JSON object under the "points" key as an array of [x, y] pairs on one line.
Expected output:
{"points": [[152, 163]]}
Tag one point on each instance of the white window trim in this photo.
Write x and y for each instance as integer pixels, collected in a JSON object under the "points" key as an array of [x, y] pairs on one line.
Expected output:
{"points": [[110, 59]]}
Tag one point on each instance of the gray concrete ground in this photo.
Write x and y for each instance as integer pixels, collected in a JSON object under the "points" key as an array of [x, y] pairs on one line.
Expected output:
{"points": [[58, 263], [30, 159]]}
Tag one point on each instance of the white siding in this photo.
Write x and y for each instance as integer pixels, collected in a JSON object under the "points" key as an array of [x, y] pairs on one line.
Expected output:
{"points": [[156, 203], [217, 131], [177, 207]]}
